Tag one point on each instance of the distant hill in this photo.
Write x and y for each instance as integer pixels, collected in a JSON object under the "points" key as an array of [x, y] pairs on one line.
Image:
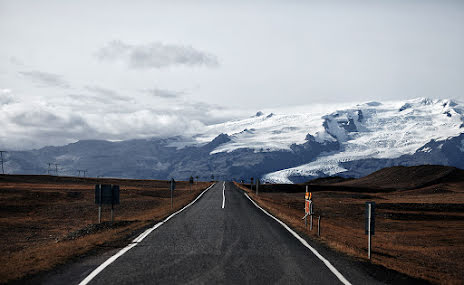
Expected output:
{"points": [[405, 178]]}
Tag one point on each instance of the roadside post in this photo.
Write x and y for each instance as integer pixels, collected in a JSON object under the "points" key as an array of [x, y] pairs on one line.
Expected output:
{"points": [[114, 200], [370, 225], [251, 184], [308, 208], [106, 194], [172, 187], [257, 187], [319, 226], [311, 212], [191, 182], [98, 200]]}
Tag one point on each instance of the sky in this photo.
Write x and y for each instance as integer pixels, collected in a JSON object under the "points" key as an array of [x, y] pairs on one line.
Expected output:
{"points": [[117, 70]]}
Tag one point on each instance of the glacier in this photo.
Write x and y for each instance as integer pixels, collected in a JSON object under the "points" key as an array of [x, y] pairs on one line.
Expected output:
{"points": [[277, 145]]}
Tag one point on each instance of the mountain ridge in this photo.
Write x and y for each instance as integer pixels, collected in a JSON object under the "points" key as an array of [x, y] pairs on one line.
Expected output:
{"points": [[280, 148]]}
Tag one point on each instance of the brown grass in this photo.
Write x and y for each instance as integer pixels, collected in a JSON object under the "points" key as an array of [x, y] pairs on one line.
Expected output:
{"points": [[46, 221], [419, 232]]}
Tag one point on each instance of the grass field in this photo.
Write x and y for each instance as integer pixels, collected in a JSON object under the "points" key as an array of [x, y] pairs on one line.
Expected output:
{"points": [[46, 220], [419, 229]]}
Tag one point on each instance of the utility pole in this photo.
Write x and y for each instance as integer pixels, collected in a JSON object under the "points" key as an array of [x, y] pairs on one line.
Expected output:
{"points": [[56, 168], [85, 171], [49, 168], [1, 158]]}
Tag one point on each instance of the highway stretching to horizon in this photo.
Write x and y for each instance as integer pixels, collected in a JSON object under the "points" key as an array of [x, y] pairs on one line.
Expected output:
{"points": [[222, 237]]}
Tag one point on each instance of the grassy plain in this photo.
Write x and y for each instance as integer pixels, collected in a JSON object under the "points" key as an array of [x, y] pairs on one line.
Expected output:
{"points": [[46, 221], [419, 218]]}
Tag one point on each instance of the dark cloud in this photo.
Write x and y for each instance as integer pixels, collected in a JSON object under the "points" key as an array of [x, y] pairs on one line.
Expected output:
{"points": [[163, 93], [45, 78], [155, 55]]}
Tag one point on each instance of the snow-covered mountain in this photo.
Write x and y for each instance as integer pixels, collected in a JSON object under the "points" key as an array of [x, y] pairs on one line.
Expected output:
{"points": [[280, 147]]}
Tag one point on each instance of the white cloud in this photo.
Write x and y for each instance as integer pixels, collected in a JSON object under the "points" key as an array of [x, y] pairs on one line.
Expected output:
{"points": [[46, 79], [106, 94], [33, 123], [5, 96], [155, 55], [163, 93]]}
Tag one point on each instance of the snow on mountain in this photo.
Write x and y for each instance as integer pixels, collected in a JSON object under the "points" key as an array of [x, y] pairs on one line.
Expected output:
{"points": [[267, 133], [284, 146], [386, 130]]}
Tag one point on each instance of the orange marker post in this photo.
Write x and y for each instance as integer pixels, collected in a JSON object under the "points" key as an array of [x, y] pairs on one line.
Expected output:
{"points": [[308, 206]]}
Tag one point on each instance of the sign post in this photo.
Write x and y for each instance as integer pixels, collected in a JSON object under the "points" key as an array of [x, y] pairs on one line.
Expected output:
{"points": [[172, 187], [308, 208], [191, 182], [370, 225], [257, 187], [115, 199], [251, 185], [106, 194], [99, 201], [311, 215]]}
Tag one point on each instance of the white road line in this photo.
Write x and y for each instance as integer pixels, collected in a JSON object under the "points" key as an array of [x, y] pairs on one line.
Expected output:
{"points": [[223, 194], [305, 243], [136, 241]]}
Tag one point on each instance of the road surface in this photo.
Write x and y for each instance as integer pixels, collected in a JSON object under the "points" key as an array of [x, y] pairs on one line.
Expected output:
{"points": [[221, 238]]}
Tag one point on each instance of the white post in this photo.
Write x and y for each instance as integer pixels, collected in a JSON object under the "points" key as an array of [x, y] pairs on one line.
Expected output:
{"points": [[369, 232]]}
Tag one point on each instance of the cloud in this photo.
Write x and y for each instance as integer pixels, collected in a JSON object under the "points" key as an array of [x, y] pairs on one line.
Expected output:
{"points": [[45, 78], [155, 55], [6, 97], [105, 94], [34, 122], [16, 61], [163, 93]]}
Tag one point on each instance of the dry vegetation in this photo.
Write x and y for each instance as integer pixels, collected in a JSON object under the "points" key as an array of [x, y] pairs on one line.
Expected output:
{"points": [[46, 221], [419, 229]]}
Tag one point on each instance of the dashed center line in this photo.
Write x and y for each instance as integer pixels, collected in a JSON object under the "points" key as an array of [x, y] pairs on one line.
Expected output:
{"points": [[223, 194]]}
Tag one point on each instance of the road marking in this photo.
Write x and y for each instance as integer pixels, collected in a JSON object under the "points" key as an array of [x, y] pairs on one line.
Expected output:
{"points": [[136, 241], [305, 243], [223, 194]]}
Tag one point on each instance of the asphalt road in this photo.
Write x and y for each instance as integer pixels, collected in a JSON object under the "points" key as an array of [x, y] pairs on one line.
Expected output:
{"points": [[218, 240]]}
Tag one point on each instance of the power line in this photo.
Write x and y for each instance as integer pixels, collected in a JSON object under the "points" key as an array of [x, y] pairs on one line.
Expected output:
{"points": [[56, 168], [84, 171], [1, 159]]}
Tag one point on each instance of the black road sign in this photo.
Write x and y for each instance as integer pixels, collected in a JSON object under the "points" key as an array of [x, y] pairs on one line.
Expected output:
{"points": [[107, 194], [372, 217], [173, 184]]}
